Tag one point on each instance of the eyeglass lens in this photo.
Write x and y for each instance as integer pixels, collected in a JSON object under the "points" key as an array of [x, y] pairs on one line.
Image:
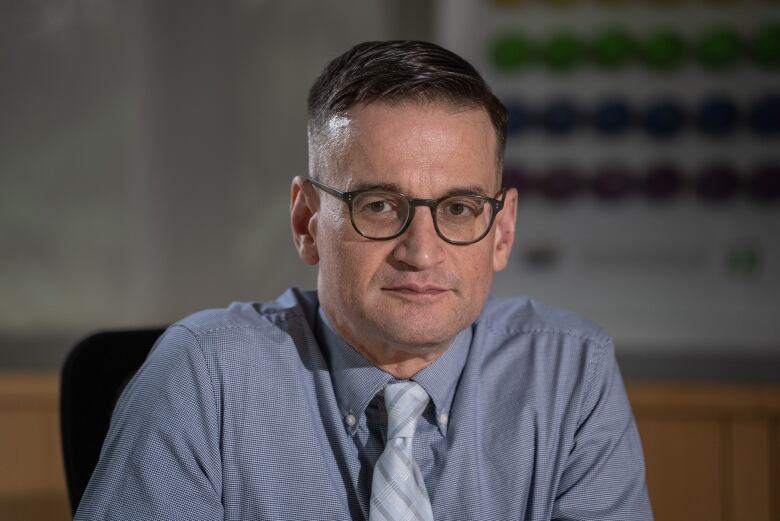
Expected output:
{"points": [[459, 218]]}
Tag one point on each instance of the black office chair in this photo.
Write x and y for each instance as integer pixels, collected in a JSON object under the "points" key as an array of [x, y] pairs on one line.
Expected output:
{"points": [[93, 376]]}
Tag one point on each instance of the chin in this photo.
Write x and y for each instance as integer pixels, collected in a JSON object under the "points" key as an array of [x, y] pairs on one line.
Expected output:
{"points": [[420, 332]]}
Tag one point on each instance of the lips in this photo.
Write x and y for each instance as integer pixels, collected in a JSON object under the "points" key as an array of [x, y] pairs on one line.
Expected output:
{"points": [[416, 291], [417, 288]]}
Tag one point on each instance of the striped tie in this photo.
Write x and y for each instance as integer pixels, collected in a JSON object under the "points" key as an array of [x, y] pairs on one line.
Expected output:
{"points": [[398, 491]]}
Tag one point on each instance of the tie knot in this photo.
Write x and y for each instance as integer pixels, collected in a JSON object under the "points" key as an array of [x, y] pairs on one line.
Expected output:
{"points": [[405, 402]]}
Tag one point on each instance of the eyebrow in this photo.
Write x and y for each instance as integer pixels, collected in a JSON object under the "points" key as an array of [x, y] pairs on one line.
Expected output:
{"points": [[392, 187]]}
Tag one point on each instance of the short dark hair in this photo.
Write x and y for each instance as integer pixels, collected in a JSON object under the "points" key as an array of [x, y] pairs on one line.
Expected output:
{"points": [[400, 70]]}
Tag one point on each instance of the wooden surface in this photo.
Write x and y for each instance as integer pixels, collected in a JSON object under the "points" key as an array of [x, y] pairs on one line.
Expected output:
{"points": [[689, 491], [751, 469], [704, 398], [32, 482], [712, 451], [31, 452]]}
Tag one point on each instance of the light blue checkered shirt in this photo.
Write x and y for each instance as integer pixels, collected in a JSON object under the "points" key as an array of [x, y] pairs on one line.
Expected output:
{"points": [[261, 412]]}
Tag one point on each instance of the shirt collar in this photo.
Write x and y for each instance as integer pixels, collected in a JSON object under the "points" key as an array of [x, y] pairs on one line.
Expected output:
{"points": [[356, 380], [440, 379]]}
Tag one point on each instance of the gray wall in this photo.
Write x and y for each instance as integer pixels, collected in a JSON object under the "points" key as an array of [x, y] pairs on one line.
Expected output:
{"points": [[146, 155], [146, 150]]}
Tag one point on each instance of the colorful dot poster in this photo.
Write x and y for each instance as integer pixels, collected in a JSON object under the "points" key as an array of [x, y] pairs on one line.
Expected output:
{"points": [[644, 141]]}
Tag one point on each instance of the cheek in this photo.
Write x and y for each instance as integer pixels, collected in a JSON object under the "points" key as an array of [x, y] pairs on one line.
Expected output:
{"points": [[478, 271], [361, 261], [345, 253], [348, 262]]}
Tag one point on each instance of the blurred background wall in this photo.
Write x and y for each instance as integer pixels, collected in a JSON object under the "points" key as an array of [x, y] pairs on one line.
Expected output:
{"points": [[644, 143], [147, 149], [146, 155]]}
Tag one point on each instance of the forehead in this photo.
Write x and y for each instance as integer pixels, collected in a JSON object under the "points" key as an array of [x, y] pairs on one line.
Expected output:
{"points": [[423, 148]]}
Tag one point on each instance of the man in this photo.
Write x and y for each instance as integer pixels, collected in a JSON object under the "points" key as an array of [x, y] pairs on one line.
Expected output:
{"points": [[398, 390]]}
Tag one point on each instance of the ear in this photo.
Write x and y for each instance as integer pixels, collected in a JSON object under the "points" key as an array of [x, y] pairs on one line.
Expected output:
{"points": [[304, 205], [504, 235]]}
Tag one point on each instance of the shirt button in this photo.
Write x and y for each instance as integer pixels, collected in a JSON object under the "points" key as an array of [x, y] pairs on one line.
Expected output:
{"points": [[443, 418], [350, 419]]}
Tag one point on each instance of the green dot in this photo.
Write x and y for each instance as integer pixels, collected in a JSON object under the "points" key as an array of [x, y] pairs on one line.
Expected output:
{"points": [[744, 260], [613, 48], [562, 51], [663, 50], [765, 46], [512, 52], [719, 48]]}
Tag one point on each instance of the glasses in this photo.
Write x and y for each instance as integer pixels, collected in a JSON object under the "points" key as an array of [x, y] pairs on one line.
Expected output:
{"points": [[382, 214]]}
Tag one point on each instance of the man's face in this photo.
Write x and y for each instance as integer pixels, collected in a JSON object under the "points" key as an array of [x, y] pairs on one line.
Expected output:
{"points": [[413, 293]]}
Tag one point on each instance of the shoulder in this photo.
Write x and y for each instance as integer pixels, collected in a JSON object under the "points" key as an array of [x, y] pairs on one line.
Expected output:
{"points": [[533, 351], [524, 316], [294, 305], [522, 333], [242, 330]]}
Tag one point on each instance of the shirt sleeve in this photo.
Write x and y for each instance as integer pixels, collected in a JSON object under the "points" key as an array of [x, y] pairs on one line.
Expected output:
{"points": [[161, 458], [604, 478]]}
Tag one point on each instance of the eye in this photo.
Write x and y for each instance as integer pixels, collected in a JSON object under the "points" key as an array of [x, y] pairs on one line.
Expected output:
{"points": [[376, 204], [456, 208], [463, 207]]}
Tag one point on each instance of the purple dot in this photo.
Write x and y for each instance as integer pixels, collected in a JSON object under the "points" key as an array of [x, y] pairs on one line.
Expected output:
{"points": [[612, 183], [718, 182], [560, 184], [764, 182], [517, 177], [662, 182]]}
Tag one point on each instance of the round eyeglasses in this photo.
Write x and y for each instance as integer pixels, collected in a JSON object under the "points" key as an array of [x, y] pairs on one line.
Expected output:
{"points": [[380, 214]]}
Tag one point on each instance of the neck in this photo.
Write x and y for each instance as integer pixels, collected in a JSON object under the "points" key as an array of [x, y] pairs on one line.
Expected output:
{"points": [[402, 361], [397, 363]]}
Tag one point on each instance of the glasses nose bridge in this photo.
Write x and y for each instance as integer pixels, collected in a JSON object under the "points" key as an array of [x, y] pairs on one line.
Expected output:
{"points": [[430, 203]]}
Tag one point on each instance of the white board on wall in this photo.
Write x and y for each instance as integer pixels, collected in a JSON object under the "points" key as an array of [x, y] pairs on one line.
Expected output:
{"points": [[682, 274]]}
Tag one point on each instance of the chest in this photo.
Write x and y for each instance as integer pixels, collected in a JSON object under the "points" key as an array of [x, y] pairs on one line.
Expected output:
{"points": [[293, 458]]}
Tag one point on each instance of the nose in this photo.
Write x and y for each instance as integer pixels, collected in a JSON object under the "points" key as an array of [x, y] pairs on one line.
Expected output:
{"points": [[420, 247]]}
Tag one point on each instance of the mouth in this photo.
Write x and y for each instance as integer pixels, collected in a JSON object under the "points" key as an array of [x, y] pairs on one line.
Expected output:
{"points": [[418, 292]]}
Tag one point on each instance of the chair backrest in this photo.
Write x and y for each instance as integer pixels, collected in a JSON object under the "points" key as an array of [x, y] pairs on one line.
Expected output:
{"points": [[93, 376]]}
